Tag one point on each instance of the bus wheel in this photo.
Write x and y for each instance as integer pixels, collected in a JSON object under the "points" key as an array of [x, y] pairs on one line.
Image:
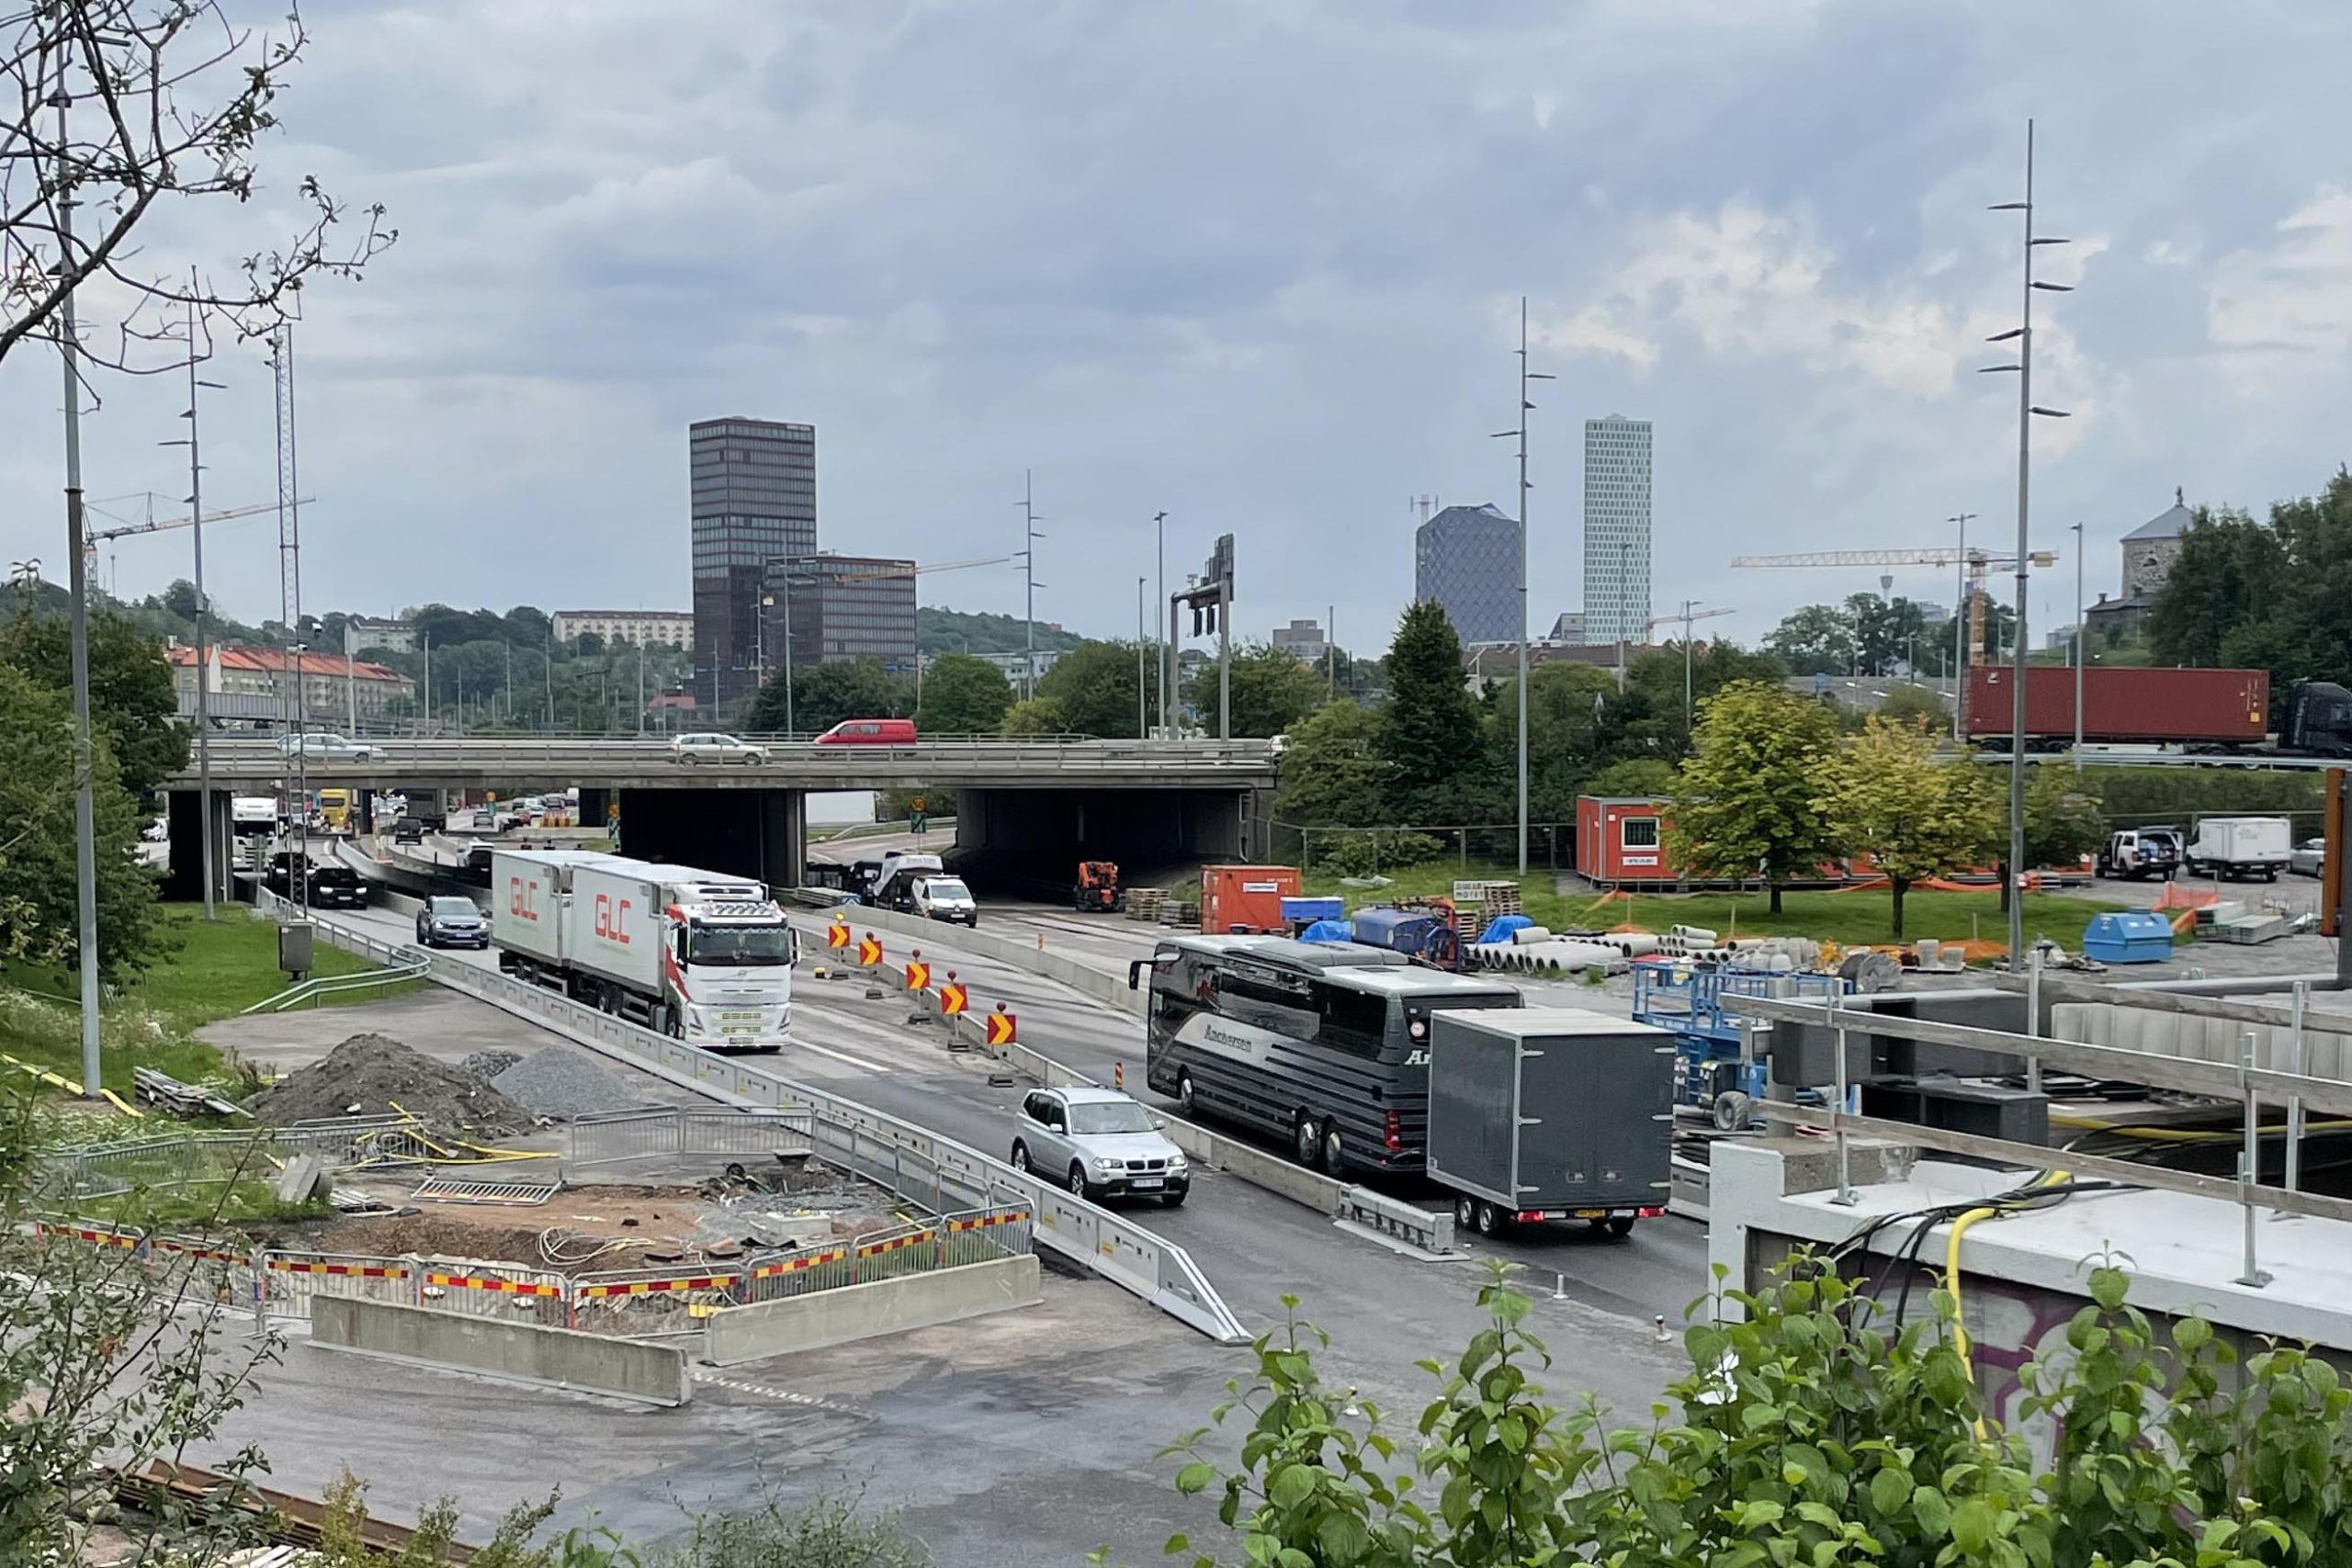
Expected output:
{"points": [[1335, 1153], [1305, 1137], [1184, 1093]]}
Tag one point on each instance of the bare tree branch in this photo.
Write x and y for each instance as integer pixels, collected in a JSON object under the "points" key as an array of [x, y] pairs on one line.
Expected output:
{"points": [[114, 107]]}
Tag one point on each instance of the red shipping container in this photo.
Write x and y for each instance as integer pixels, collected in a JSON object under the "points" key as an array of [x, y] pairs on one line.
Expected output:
{"points": [[2123, 706], [1245, 897], [1621, 841]]}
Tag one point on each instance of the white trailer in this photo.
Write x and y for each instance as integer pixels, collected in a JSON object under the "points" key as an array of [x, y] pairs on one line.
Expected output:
{"points": [[695, 954], [2240, 846]]}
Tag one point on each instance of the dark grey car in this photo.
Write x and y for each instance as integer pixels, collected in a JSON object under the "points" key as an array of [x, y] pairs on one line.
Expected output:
{"points": [[451, 922]]}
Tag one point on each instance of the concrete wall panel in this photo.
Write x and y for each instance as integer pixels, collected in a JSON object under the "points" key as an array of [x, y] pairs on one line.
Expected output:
{"points": [[518, 1352], [861, 1311]]}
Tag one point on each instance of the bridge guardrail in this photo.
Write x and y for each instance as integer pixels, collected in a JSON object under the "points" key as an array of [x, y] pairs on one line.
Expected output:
{"points": [[958, 1176]]}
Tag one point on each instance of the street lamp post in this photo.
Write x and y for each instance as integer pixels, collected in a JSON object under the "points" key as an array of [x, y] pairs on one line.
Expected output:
{"points": [[2079, 654], [203, 665], [2027, 412], [1143, 697], [1520, 431]]}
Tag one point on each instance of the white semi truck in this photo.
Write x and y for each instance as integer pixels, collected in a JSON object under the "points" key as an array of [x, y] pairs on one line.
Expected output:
{"points": [[697, 954]]}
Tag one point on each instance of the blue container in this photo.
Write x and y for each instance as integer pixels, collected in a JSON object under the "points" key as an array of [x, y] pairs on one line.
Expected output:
{"points": [[2134, 936], [1305, 911]]}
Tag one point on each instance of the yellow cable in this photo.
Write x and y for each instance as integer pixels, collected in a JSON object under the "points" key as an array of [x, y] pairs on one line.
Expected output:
{"points": [[1951, 1279], [2183, 1135]]}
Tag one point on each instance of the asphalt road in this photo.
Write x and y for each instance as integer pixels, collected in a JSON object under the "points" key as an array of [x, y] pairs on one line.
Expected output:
{"points": [[1386, 1309]]}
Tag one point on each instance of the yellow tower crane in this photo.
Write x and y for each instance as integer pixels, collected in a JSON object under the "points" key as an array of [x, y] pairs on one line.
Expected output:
{"points": [[1979, 562]]}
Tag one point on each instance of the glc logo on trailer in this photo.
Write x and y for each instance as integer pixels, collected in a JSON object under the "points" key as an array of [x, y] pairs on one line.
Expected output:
{"points": [[522, 898], [612, 919]]}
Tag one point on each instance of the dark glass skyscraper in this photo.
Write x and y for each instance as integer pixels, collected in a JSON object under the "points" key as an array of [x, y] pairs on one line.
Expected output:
{"points": [[1467, 560], [754, 497]]}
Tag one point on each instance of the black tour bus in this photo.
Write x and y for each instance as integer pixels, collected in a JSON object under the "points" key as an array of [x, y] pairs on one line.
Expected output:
{"points": [[1323, 1043]]}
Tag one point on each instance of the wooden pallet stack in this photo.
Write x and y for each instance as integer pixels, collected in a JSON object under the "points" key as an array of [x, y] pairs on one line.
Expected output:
{"points": [[1143, 903], [1478, 902]]}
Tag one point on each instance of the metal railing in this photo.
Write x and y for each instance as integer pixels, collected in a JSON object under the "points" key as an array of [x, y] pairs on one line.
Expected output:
{"points": [[180, 1160], [401, 969], [960, 1176], [673, 1132]]}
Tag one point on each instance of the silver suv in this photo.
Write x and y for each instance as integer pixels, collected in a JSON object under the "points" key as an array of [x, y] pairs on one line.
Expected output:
{"points": [[1099, 1144]]}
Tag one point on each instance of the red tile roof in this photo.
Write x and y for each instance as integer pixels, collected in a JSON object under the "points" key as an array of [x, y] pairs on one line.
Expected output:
{"points": [[272, 660]]}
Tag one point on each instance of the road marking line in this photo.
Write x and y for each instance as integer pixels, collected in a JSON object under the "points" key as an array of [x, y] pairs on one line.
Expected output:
{"points": [[842, 1056]]}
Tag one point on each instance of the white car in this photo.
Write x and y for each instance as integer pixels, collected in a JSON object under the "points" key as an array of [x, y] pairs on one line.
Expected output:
{"points": [[319, 746], [700, 747], [1099, 1144]]}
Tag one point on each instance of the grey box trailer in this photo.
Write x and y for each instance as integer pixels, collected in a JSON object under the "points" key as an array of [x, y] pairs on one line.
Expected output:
{"points": [[1549, 1113]]}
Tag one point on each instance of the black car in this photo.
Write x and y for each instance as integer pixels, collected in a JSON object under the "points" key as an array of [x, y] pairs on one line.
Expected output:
{"points": [[337, 887], [451, 922], [407, 830], [280, 872]]}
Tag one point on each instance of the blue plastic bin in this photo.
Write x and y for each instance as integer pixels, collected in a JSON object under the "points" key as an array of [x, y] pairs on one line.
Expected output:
{"points": [[2134, 936]]}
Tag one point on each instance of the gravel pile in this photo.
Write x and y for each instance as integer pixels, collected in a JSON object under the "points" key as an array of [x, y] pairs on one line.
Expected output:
{"points": [[368, 1074], [489, 1064], [561, 1081]]}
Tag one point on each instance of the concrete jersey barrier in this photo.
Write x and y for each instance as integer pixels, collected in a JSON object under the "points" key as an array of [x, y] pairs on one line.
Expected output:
{"points": [[861, 1311], [517, 1352], [1094, 983]]}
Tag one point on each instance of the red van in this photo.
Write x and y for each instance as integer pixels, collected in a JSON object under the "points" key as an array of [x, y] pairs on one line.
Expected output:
{"points": [[870, 732]]}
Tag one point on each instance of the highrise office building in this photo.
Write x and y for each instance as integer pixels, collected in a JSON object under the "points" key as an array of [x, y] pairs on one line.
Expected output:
{"points": [[835, 609], [1467, 560], [755, 498], [1616, 529]]}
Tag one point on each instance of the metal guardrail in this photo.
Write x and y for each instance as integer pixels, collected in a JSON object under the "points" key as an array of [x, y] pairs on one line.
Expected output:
{"points": [[675, 1131], [399, 969], [1105, 1243]]}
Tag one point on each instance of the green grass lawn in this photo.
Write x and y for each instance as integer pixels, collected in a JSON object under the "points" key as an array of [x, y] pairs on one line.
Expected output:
{"points": [[212, 971], [1851, 918]]}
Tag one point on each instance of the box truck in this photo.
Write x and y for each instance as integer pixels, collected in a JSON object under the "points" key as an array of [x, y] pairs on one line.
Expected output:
{"points": [[699, 955], [2240, 846], [1549, 1113]]}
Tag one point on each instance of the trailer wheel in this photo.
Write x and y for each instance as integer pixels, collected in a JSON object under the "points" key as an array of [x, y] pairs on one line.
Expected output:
{"points": [[1492, 1222], [1466, 1214], [1620, 1227]]}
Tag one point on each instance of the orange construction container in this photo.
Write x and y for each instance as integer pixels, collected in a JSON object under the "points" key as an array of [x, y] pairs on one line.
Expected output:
{"points": [[1245, 897]]}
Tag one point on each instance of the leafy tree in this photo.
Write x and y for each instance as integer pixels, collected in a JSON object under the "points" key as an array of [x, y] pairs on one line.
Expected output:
{"points": [[1093, 684], [1271, 692], [1811, 1429], [1749, 801], [824, 694], [963, 695], [1332, 773], [131, 699], [1887, 632], [1816, 640], [2063, 820], [1887, 795], [587, 645], [1656, 726], [38, 914], [958, 631], [2269, 596], [1034, 715], [1916, 705], [2231, 574], [1430, 730], [1635, 778]]}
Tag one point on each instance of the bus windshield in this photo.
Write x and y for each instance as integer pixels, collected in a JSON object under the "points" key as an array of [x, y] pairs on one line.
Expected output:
{"points": [[758, 947]]}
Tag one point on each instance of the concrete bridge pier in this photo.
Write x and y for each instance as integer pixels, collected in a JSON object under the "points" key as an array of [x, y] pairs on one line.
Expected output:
{"points": [[758, 833], [595, 806], [1138, 827], [184, 876]]}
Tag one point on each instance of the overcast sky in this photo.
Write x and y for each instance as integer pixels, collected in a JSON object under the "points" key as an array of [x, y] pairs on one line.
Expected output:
{"points": [[1257, 264]]}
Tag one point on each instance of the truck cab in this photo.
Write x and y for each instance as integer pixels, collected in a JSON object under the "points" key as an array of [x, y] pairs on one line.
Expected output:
{"points": [[2318, 721]]}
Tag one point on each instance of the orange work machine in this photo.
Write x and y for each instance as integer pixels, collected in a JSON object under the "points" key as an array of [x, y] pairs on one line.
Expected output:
{"points": [[1098, 890]]}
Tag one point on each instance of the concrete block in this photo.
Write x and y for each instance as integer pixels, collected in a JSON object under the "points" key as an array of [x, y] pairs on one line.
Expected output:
{"points": [[517, 1352], [1256, 1166], [304, 1178], [733, 1335]]}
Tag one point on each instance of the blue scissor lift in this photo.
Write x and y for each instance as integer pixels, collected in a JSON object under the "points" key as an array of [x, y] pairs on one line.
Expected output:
{"points": [[1714, 1074]]}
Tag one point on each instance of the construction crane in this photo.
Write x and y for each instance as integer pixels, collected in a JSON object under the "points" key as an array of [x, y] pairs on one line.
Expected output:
{"points": [[1978, 562], [910, 570], [90, 542], [1683, 618]]}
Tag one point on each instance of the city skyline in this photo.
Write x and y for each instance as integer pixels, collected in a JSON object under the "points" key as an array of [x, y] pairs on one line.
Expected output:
{"points": [[1801, 304]]}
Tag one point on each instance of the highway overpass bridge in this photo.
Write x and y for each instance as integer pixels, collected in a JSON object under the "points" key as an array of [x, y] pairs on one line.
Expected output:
{"points": [[1045, 802]]}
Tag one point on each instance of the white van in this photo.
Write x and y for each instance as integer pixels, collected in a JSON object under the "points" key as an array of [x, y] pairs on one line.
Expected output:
{"points": [[938, 897], [2240, 846]]}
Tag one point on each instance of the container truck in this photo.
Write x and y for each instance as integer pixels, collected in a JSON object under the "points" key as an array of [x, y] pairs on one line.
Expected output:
{"points": [[698, 956], [2199, 710], [1549, 1113]]}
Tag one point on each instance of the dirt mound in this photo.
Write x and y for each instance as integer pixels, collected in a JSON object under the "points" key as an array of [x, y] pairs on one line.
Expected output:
{"points": [[370, 1074]]}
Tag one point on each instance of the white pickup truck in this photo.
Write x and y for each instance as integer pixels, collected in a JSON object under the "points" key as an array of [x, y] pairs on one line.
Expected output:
{"points": [[2240, 846]]}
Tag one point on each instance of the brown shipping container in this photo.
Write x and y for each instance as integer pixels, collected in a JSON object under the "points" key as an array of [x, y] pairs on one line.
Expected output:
{"points": [[2126, 706], [1245, 897]]}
